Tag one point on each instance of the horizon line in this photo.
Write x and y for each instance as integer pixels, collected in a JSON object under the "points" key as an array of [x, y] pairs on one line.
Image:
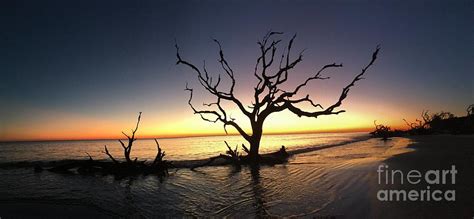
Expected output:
{"points": [[191, 136]]}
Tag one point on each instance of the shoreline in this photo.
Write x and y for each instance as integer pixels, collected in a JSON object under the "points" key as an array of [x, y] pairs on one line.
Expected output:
{"points": [[358, 199]]}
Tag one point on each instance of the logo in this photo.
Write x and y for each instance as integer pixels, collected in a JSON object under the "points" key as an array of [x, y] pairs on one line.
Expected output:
{"points": [[387, 176]]}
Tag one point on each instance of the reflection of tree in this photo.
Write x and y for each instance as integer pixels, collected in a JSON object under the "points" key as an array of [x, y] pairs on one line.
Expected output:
{"points": [[258, 190], [129, 200]]}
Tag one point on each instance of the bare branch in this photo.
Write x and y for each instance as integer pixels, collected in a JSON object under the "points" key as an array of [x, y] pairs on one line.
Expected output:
{"points": [[90, 157], [110, 155], [159, 154], [470, 110], [127, 148], [317, 76], [222, 116], [245, 149], [305, 99], [138, 122], [206, 81], [123, 145], [232, 153], [226, 66], [344, 93]]}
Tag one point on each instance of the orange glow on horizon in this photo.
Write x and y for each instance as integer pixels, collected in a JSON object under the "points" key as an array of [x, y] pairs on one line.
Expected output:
{"points": [[180, 122], [71, 127]]}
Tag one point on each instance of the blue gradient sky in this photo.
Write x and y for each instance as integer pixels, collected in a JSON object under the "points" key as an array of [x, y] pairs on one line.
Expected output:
{"points": [[83, 69]]}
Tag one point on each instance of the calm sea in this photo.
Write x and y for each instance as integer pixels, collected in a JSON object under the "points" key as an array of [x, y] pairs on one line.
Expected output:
{"points": [[309, 185], [189, 148]]}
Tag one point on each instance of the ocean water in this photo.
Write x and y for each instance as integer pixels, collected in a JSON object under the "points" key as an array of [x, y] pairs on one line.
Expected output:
{"points": [[189, 148], [306, 186]]}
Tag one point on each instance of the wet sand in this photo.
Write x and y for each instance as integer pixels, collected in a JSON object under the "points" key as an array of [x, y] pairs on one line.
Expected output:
{"points": [[50, 210], [359, 198]]}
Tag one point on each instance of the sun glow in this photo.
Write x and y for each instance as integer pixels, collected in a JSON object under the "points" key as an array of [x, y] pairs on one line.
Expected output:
{"points": [[62, 126]]}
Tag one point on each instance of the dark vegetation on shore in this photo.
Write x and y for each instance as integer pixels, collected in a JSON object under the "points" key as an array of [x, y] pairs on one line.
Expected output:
{"points": [[429, 124]]}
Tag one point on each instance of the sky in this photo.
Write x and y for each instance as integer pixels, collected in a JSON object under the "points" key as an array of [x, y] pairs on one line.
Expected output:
{"points": [[84, 69]]}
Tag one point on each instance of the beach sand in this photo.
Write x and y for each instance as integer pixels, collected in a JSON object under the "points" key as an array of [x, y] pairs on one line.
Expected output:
{"points": [[432, 153]]}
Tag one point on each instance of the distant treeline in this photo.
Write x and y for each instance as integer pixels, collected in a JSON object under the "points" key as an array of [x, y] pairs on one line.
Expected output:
{"points": [[431, 123]]}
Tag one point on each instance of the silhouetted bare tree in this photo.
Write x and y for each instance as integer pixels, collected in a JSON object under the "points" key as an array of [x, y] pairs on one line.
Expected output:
{"points": [[119, 169], [382, 131], [470, 110], [434, 123], [126, 149], [420, 125], [269, 95]]}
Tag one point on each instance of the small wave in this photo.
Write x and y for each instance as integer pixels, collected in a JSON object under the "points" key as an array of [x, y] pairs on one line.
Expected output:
{"points": [[316, 148]]}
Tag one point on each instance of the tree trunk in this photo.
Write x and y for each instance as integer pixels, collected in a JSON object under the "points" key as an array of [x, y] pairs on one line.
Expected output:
{"points": [[255, 142], [127, 156]]}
